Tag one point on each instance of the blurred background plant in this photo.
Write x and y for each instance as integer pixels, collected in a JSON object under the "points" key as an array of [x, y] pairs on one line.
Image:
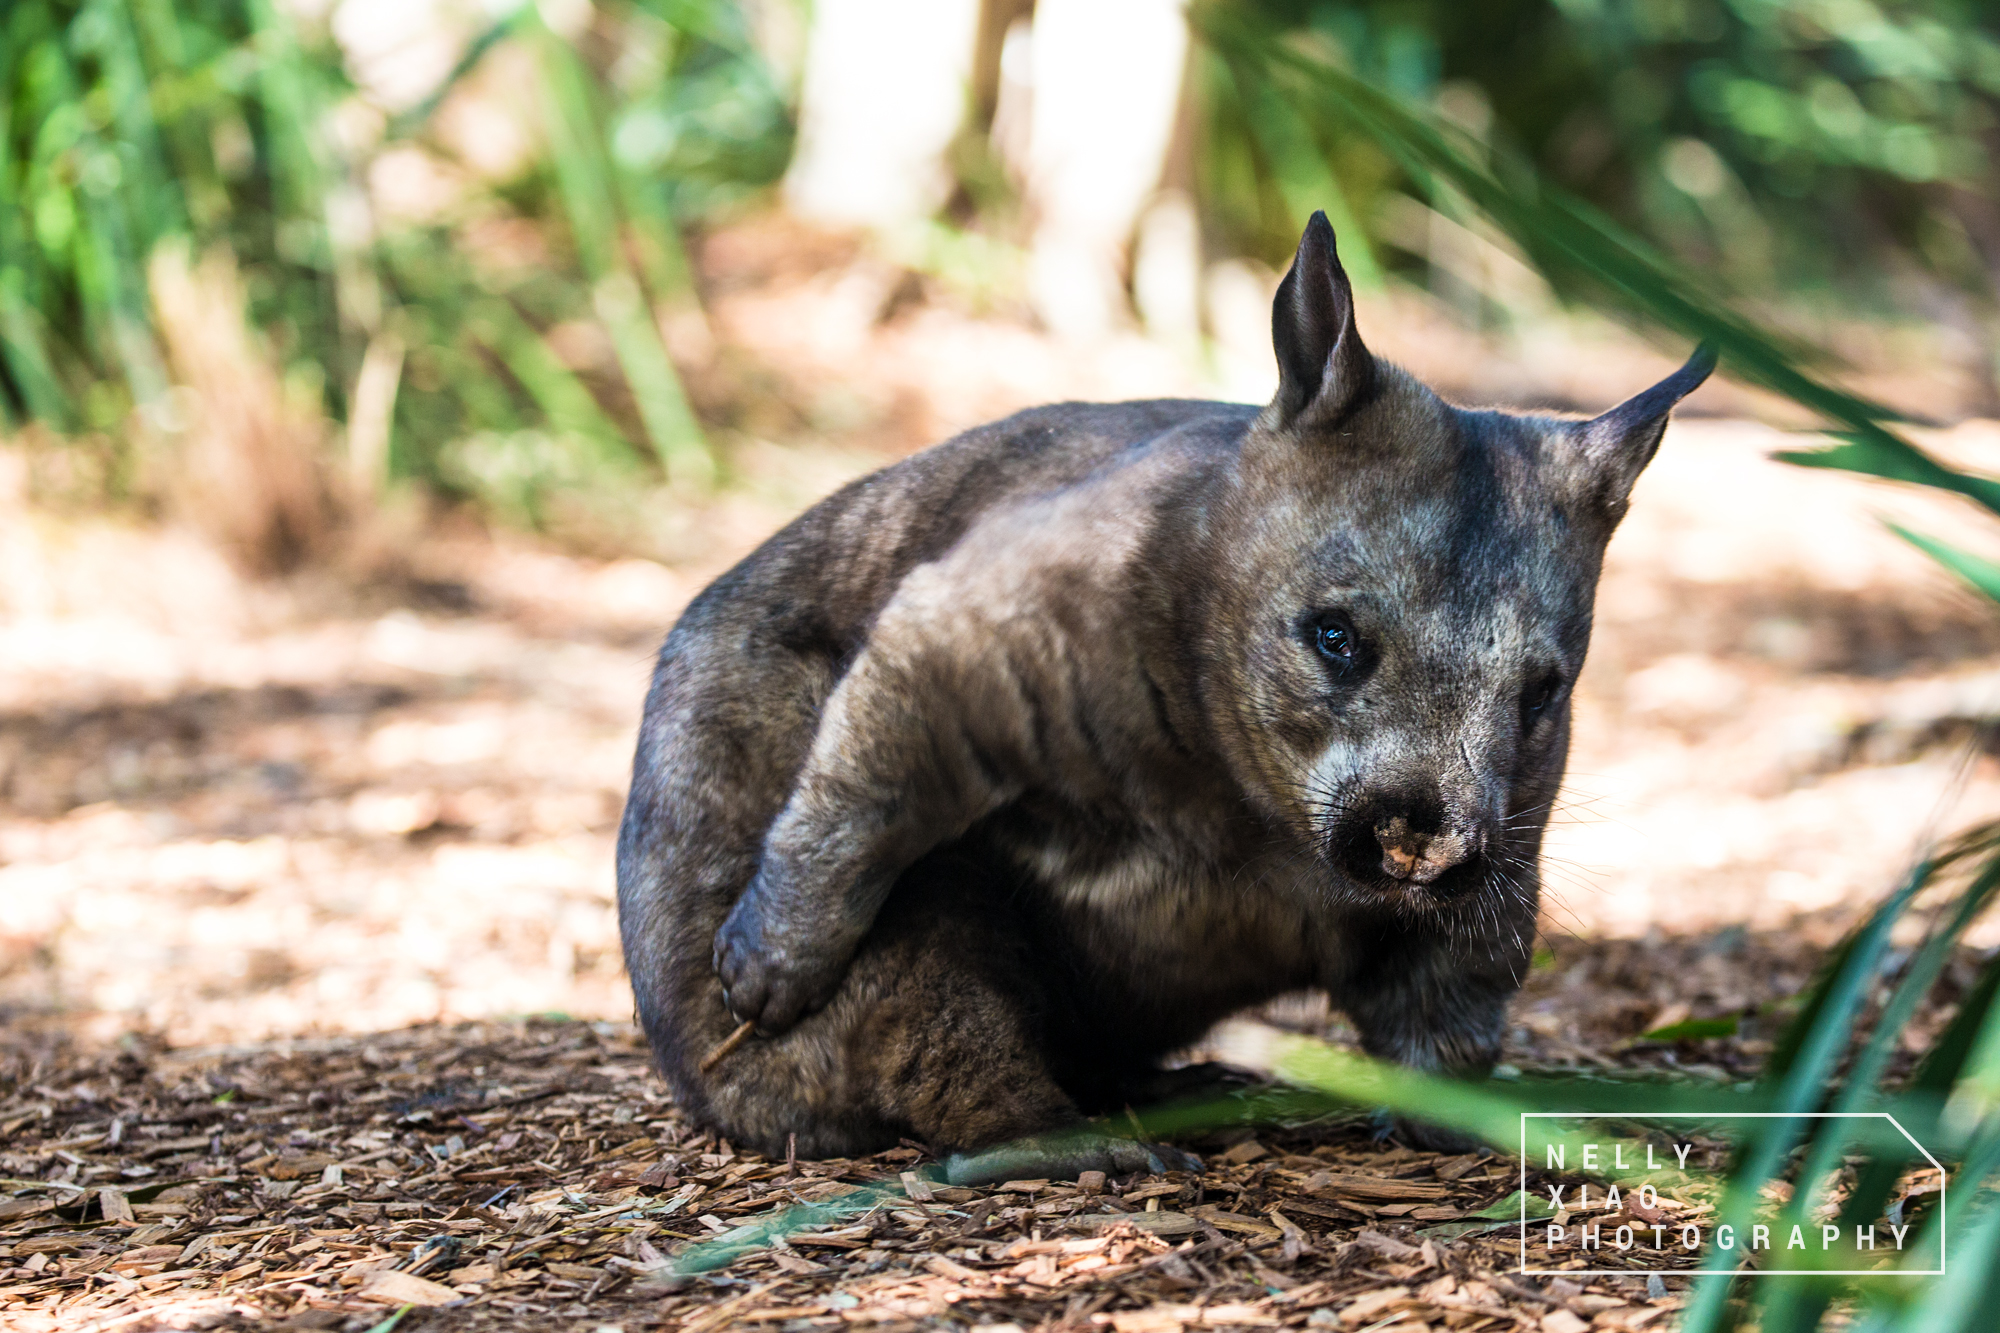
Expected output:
{"points": [[1828, 149], [175, 170], [461, 234]]}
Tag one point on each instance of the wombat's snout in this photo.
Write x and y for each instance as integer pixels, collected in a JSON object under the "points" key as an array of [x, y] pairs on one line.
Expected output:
{"points": [[1412, 854], [1407, 840]]}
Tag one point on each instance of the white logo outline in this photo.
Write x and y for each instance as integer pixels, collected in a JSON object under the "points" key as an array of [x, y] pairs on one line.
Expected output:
{"points": [[1943, 1188]]}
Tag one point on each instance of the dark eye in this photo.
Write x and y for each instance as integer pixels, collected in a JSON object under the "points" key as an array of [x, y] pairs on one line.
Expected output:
{"points": [[1538, 696], [1334, 640]]}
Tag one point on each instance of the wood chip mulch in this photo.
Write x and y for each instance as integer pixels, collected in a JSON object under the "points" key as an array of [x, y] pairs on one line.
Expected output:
{"points": [[535, 1175]]}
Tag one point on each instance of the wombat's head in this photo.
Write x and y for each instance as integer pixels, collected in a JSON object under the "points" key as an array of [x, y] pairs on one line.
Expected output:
{"points": [[1406, 592]]}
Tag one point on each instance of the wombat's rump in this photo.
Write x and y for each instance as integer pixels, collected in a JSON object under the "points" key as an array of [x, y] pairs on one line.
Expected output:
{"points": [[1011, 768]]}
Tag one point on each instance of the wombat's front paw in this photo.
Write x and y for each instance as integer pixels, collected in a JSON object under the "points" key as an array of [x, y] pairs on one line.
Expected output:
{"points": [[768, 977]]}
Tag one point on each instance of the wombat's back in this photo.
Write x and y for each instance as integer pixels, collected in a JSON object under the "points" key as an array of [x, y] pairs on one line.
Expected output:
{"points": [[740, 681], [819, 581]]}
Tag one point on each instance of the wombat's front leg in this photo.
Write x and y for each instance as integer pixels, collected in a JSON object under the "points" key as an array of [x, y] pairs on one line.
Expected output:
{"points": [[1429, 1019], [1437, 1004], [910, 751]]}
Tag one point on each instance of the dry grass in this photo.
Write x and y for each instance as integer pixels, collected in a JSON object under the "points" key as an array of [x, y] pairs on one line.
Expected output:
{"points": [[244, 460]]}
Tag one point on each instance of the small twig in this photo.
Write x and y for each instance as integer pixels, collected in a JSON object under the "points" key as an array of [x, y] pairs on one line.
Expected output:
{"points": [[729, 1044], [11, 1182], [1522, 1291]]}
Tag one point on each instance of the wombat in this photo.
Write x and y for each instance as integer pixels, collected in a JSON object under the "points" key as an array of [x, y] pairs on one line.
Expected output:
{"points": [[1013, 767]]}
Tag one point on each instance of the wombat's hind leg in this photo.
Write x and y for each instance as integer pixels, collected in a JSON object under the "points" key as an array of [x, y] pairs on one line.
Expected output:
{"points": [[937, 1032]]}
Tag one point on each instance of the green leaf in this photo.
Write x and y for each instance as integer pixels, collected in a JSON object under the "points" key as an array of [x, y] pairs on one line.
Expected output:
{"points": [[388, 1324], [656, 388], [1581, 252], [1509, 1208], [1942, 1064], [595, 208], [1306, 182], [1494, 1216], [1880, 454], [1693, 1029], [1819, 1036], [22, 342], [568, 404], [760, 1231], [1980, 572]]}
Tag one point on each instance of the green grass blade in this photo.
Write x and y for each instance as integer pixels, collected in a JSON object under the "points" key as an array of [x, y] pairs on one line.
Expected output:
{"points": [[112, 269], [22, 334], [656, 388], [1980, 572], [285, 85], [155, 206], [1945, 1062], [581, 171], [1798, 1087], [1963, 1299], [1795, 1307], [1861, 1089], [663, 261], [1791, 1042], [592, 205], [409, 122], [1305, 181], [1487, 1110], [572, 411], [1975, 1093], [732, 1245], [1868, 454]]}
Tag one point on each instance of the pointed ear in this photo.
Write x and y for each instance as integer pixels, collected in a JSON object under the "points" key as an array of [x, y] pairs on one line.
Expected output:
{"points": [[1615, 448], [1323, 369]]}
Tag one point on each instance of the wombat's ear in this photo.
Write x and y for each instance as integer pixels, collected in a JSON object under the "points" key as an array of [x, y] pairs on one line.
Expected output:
{"points": [[1617, 446], [1323, 369]]}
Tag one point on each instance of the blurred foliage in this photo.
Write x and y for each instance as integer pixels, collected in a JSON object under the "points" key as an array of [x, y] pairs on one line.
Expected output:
{"points": [[1831, 145], [227, 123], [700, 116], [1775, 146]]}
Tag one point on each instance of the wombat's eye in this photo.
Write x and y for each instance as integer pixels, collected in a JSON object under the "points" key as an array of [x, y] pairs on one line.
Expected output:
{"points": [[1334, 640], [1538, 696]]}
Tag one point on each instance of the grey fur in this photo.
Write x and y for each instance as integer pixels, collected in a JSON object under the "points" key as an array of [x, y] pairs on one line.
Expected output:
{"points": [[1008, 769]]}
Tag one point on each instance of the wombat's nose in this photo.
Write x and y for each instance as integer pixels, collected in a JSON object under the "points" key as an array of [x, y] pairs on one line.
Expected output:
{"points": [[1419, 857]]}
